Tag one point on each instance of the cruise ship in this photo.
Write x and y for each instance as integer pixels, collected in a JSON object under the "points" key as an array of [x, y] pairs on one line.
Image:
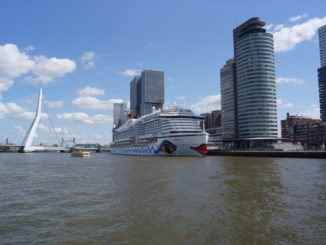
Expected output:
{"points": [[167, 132]]}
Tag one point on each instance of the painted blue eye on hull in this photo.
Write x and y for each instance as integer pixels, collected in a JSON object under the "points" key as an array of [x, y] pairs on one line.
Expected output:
{"points": [[167, 147]]}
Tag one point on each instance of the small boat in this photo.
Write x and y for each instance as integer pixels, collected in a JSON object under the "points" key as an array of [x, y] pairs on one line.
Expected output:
{"points": [[81, 154]]}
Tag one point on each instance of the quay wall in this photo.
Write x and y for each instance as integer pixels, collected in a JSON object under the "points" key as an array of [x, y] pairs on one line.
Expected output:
{"points": [[290, 154]]}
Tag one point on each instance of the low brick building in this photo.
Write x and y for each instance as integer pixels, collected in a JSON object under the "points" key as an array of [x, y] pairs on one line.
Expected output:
{"points": [[311, 133]]}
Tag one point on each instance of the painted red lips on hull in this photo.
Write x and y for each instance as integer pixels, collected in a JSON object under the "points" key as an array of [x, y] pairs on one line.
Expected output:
{"points": [[202, 149]]}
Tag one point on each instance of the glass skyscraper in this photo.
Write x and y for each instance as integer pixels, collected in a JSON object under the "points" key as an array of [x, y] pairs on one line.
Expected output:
{"points": [[228, 100], [146, 92], [119, 114], [322, 72], [255, 76], [135, 96], [253, 84], [322, 45]]}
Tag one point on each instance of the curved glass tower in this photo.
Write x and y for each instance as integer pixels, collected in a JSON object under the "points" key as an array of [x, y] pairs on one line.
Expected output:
{"points": [[255, 80], [322, 72]]}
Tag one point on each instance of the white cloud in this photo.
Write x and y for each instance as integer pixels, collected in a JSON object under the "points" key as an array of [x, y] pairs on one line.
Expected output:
{"points": [[94, 103], [181, 97], [29, 48], [29, 116], [54, 104], [269, 26], [58, 130], [130, 72], [207, 104], [43, 127], [279, 101], [85, 118], [48, 69], [62, 131], [298, 17], [20, 131], [313, 111], [289, 80], [140, 63], [13, 107], [286, 38], [281, 104], [13, 64], [87, 60], [10, 108], [90, 91], [288, 105], [278, 27]]}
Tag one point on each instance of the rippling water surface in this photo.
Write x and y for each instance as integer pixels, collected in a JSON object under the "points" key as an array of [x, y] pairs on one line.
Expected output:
{"points": [[52, 198]]}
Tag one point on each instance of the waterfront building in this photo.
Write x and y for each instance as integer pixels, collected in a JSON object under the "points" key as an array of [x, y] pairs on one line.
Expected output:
{"points": [[248, 88], [212, 125], [322, 72], [135, 96], [212, 120], [119, 114], [322, 45], [311, 133], [146, 92], [228, 100], [291, 122], [255, 80], [152, 91]]}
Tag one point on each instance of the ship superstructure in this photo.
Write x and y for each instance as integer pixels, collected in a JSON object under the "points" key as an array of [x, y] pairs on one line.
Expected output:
{"points": [[173, 131]]}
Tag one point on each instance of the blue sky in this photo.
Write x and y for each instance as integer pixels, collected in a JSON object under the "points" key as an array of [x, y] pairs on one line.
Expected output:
{"points": [[84, 54]]}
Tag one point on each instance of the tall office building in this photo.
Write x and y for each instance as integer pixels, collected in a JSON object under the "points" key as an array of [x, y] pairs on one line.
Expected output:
{"points": [[135, 96], [322, 72], [255, 78], [251, 76], [146, 92], [322, 45], [152, 91], [228, 100], [119, 114]]}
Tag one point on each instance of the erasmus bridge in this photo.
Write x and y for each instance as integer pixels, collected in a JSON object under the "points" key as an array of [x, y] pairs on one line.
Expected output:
{"points": [[26, 145]]}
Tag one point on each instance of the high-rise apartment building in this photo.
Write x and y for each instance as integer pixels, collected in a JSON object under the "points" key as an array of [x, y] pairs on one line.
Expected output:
{"points": [[248, 86], [135, 96], [119, 114], [146, 92], [228, 100], [152, 91], [322, 72], [322, 45]]}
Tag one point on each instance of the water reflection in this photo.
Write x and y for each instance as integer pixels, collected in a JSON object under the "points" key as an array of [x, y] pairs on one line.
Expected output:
{"points": [[253, 200], [56, 199]]}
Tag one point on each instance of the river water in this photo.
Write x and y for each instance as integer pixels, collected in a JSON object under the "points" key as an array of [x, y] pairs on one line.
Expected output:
{"points": [[52, 198]]}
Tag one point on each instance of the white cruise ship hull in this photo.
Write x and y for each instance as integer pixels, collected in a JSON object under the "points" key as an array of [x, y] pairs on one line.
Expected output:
{"points": [[185, 145]]}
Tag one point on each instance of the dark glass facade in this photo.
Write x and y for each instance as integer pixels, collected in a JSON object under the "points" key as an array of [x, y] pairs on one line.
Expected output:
{"points": [[322, 92]]}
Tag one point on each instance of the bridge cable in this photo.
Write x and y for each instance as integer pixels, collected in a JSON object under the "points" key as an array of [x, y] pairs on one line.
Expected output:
{"points": [[52, 126]]}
